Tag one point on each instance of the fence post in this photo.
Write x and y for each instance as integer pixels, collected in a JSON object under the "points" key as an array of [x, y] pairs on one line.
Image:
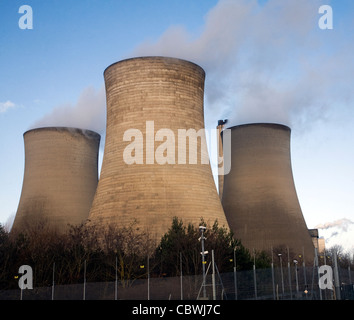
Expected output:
{"points": [[213, 274], [272, 266], [289, 276], [53, 281], [336, 276], [84, 296], [116, 282], [304, 268], [148, 270], [296, 279], [281, 273], [254, 274], [318, 272], [235, 277], [180, 261]]}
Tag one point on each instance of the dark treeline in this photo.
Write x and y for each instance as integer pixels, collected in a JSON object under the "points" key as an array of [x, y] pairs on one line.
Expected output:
{"points": [[122, 252], [126, 253]]}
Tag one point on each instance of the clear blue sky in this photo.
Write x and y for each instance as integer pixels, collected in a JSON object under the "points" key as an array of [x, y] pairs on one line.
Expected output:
{"points": [[265, 61]]}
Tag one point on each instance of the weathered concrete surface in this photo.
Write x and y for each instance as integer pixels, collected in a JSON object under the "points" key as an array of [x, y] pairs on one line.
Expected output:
{"points": [[60, 177], [169, 93], [259, 196]]}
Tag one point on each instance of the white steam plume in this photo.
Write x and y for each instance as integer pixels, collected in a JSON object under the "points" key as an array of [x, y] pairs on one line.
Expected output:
{"points": [[339, 232], [267, 63], [263, 63], [342, 224], [89, 112]]}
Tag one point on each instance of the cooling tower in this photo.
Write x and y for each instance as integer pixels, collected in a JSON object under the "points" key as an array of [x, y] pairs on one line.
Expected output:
{"points": [[149, 173], [259, 196], [60, 177]]}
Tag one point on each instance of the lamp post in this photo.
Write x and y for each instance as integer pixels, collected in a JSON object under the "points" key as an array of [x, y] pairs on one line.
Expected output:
{"points": [[202, 238]]}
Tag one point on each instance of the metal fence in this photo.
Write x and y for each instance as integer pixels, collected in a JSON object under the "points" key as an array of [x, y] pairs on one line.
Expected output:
{"points": [[276, 283]]}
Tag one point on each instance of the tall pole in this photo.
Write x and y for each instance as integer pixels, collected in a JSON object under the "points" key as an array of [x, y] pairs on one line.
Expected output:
{"points": [[180, 261], [350, 275], [84, 297], [281, 272], [116, 282], [353, 262], [272, 265], [325, 263], [324, 256], [202, 229], [148, 271], [53, 281], [336, 276], [297, 283], [289, 275], [318, 271], [304, 268], [254, 274], [235, 277], [213, 274]]}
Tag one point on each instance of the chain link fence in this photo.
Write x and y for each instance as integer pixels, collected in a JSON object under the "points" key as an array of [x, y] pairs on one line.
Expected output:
{"points": [[286, 283]]}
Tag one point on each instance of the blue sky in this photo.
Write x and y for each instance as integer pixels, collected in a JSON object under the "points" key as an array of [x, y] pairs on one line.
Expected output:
{"points": [[265, 61]]}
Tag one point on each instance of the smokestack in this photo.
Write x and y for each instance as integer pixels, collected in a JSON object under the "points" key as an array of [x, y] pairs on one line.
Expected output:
{"points": [[155, 99], [220, 155], [259, 196], [60, 177]]}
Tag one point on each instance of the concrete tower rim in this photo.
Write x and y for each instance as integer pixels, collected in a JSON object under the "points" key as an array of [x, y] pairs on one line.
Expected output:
{"points": [[261, 124], [64, 128], [158, 57]]}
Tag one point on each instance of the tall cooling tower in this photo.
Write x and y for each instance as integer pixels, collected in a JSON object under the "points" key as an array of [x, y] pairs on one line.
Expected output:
{"points": [[259, 196], [60, 177], [153, 103]]}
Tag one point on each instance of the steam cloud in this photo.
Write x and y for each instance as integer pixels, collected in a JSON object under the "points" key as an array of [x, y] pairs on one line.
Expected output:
{"points": [[267, 63], [338, 232], [89, 112], [262, 62], [342, 224]]}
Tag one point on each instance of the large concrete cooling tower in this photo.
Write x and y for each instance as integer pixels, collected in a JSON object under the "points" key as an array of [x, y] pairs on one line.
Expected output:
{"points": [[60, 178], [259, 196], [153, 103]]}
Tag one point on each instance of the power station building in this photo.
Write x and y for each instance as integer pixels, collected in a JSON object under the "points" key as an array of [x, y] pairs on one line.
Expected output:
{"points": [[60, 178], [154, 165], [259, 196]]}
